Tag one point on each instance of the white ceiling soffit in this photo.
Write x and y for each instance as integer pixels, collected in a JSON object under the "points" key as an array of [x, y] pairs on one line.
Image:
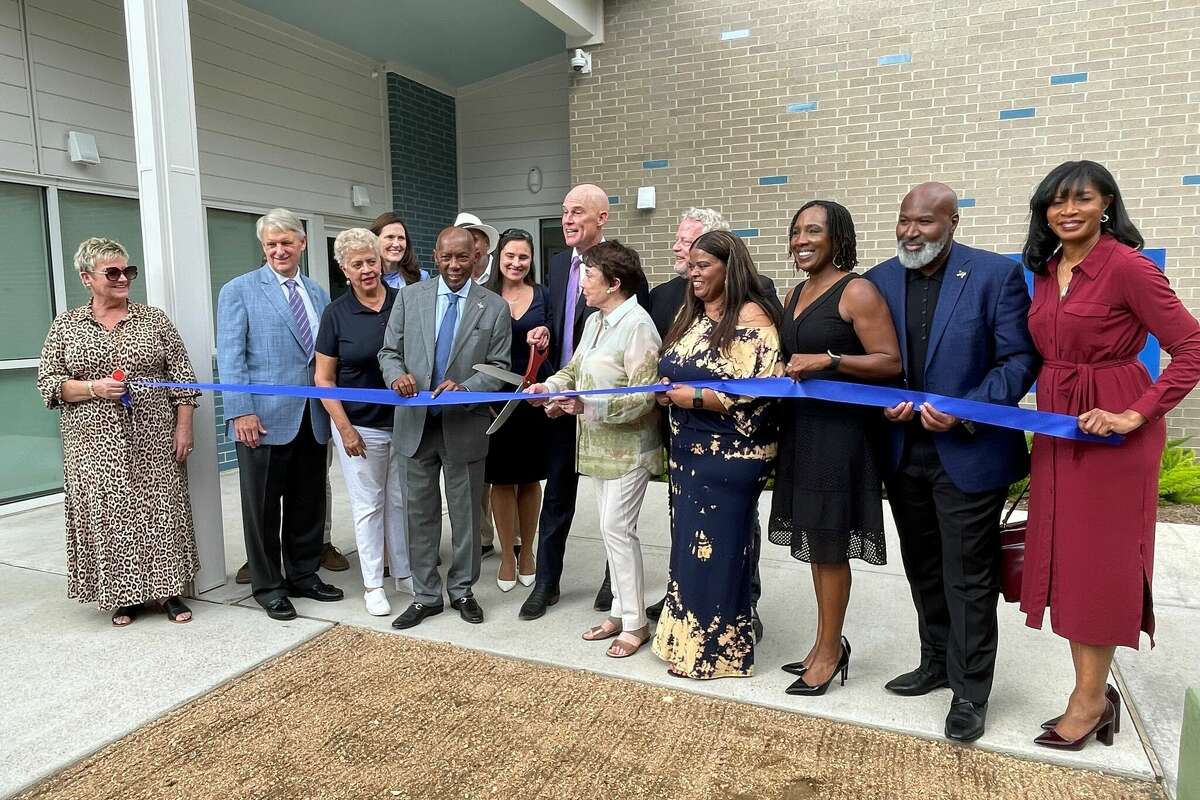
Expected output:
{"points": [[581, 20]]}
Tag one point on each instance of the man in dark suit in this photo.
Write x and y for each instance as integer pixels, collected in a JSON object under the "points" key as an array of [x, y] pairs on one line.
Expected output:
{"points": [[665, 301], [584, 215], [439, 329], [960, 318]]}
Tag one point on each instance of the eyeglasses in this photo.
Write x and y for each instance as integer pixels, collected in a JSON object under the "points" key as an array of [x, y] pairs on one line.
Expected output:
{"points": [[521, 232], [113, 274]]}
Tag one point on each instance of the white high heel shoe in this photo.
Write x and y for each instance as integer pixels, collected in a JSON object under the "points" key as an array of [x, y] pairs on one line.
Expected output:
{"points": [[526, 580], [505, 586]]}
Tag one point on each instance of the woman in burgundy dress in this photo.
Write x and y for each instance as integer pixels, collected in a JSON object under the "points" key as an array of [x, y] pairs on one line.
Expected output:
{"points": [[1089, 550]]}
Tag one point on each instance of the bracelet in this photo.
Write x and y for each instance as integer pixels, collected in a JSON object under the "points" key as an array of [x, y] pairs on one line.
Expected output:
{"points": [[835, 359], [92, 391]]}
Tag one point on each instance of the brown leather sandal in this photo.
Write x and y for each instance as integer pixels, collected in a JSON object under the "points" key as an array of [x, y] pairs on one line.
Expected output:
{"points": [[624, 648], [599, 633]]}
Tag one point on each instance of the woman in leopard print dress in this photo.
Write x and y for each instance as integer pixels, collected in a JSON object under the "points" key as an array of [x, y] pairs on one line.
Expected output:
{"points": [[129, 520]]}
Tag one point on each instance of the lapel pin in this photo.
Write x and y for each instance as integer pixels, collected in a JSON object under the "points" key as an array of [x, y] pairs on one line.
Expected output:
{"points": [[962, 273]]}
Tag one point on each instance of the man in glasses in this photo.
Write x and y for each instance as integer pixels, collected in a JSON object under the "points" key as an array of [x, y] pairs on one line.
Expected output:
{"points": [[266, 326]]}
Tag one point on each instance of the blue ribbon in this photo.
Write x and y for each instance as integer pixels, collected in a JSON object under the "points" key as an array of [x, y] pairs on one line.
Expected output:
{"points": [[1061, 426]]}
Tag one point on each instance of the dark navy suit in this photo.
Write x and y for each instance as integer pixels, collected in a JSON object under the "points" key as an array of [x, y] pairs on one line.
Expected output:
{"points": [[947, 489], [558, 502]]}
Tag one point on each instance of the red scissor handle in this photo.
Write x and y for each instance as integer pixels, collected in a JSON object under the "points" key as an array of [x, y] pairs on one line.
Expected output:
{"points": [[536, 359]]}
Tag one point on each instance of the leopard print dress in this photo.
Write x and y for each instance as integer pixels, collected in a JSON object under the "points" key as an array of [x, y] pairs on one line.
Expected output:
{"points": [[129, 520]]}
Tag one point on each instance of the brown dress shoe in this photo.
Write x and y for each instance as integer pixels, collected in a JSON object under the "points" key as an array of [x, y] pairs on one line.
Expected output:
{"points": [[332, 559], [243, 574]]}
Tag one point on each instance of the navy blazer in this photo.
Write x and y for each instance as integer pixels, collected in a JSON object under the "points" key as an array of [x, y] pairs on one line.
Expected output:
{"points": [[979, 349], [556, 281]]}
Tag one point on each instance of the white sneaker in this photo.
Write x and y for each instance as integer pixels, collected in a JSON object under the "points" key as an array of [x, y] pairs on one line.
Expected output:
{"points": [[405, 585], [377, 602]]}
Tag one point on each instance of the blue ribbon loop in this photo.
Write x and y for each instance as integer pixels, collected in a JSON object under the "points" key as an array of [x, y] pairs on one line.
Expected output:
{"points": [[1061, 426]]}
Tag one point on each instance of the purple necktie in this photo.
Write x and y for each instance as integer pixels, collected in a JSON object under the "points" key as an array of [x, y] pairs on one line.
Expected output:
{"points": [[569, 306], [301, 316]]}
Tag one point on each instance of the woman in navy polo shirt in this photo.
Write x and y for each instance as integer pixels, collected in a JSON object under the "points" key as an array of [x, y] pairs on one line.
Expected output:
{"points": [[348, 341]]}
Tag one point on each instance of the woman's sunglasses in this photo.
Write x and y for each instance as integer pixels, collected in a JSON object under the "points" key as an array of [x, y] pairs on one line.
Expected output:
{"points": [[113, 274]]}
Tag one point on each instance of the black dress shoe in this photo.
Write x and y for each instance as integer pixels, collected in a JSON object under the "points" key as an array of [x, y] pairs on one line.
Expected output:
{"points": [[756, 624], [468, 609], [413, 615], [318, 590], [604, 597], [280, 608], [655, 611], [535, 605], [915, 683], [965, 721]]}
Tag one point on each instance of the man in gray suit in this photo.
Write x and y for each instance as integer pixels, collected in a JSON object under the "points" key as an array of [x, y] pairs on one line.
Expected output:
{"points": [[437, 331], [266, 326]]}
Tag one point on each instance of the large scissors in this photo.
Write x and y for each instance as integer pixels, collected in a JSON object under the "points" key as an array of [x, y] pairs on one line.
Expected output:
{"points": [[522, 382]]}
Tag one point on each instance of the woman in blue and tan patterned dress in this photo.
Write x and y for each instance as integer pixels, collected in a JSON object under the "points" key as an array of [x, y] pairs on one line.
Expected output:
{"points": [[722, 448]]}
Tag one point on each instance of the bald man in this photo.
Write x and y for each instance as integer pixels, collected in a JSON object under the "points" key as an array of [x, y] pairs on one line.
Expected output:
{"points": [[584, 215], [960, 318]]}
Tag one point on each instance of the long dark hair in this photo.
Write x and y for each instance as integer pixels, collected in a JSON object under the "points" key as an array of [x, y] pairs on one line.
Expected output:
{"points": [[840, 226], [742, 286], [496, 280], [409, 268], [1068, 177]]}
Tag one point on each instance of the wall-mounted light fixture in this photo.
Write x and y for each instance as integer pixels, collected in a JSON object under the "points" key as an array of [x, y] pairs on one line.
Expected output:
{"points": [[81, 147], [359, 197], [534, 180]]}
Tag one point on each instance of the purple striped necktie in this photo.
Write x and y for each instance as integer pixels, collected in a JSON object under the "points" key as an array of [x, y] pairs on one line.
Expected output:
{"points": [[570, 304], [300, 315]]}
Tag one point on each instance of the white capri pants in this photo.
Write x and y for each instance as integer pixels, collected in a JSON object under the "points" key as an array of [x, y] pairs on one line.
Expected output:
{"points": [[376, 487], [620, 503]]}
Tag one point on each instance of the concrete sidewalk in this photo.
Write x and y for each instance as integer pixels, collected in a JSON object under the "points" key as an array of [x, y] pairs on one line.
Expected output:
{"points": [[84, 685]]}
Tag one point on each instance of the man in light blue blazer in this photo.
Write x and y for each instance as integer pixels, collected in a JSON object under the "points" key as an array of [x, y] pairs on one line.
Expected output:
{"points": [[266, 325], [438, 331], [960, 315]]}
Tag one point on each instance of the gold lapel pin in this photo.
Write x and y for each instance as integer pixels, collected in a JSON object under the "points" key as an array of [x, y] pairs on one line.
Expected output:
{"points": [[962, 273]]}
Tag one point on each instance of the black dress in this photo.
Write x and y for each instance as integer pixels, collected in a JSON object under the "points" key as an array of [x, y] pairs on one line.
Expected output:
{"points": [[827, 505], [517, 452]]}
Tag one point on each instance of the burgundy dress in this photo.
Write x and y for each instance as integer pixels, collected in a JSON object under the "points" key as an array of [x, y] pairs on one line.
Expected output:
{"points": [[1089, 551]]}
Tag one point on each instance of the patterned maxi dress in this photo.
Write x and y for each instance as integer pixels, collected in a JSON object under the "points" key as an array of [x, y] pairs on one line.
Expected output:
{"points": [[719, 466], [129, 519]]}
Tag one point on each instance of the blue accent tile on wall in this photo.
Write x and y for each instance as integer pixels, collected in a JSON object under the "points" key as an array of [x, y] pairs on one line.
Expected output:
{"points": [[772, 180], [1068, 77], [421, 122], [745, 233], [1017, 113], [795, 108], [657, 163], [1191, 180], [966, 202], [728, 36], [613, 199], [895, 58]]}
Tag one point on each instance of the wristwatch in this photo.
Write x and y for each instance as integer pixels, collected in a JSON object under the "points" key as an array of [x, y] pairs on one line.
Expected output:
{"points": [[697, 397], [835, 360]]}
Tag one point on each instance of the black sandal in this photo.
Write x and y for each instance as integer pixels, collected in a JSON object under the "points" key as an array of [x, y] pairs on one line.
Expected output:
{"points": [[125, 611], [175, 608]]}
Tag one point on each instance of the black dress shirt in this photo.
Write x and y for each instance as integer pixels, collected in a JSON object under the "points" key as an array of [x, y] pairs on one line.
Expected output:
{"points": [[922, 298]]}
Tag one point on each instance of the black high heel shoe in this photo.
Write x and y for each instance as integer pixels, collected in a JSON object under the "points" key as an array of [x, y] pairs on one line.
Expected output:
{"points": [[1104, 729], [1111, 694], [799, 667], [799, 687]]}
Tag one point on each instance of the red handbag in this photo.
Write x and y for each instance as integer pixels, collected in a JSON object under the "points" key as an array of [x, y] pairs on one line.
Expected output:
{"points": [[1012, 553]]}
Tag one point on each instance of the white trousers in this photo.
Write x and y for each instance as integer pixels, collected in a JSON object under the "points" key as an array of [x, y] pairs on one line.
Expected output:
{"points": [[620, 503], [376, 488]]}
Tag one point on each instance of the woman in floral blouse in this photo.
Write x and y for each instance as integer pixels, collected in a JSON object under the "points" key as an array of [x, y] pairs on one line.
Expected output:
{"points": [[722, 448], [619, 443]]}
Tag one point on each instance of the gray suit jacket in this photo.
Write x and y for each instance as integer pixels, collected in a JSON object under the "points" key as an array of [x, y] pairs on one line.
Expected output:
{"points": [[258, 342], [484, 336]]}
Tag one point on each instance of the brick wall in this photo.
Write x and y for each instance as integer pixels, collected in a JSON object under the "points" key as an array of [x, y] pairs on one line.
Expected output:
{"points": [[424, 150], [754, 107]]}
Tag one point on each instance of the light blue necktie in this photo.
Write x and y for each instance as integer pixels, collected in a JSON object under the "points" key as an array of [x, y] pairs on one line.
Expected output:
{"points": [[445, 342], [300, 315]]}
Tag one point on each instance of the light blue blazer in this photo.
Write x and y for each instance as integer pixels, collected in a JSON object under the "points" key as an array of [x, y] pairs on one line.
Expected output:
{"points": [[258, 342]]}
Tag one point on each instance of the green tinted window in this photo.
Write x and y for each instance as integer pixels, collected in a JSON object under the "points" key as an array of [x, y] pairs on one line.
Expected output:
{"points": [[232, 249], [25, 303], [29, 439], [85, 215]]}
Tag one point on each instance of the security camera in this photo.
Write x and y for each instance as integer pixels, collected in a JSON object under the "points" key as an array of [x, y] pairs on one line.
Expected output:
{"points": [[581, 62]]}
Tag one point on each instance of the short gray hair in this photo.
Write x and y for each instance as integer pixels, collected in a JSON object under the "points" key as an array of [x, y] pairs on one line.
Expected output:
{"points": [[710, 218], [353, 240], [98, 249], [279, 219]]}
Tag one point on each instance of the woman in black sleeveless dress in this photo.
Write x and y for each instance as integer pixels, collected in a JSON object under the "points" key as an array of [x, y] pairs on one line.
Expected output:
{"points": [[827, 505]]}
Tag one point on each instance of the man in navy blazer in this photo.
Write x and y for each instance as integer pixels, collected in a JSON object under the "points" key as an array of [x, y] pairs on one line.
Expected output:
{"points": [[585, 213], [266, 327], [960, 316]]}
